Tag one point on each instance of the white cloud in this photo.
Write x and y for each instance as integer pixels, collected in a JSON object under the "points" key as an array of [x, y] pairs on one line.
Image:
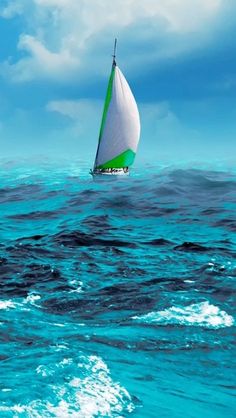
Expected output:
{"points": [[84, 117], [180, 15], [12, 9], [77, 110], [61, 36], [40, 62]]}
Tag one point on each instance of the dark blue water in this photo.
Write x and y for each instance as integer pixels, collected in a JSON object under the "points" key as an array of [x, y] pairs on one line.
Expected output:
{"points": [[117, 297]]}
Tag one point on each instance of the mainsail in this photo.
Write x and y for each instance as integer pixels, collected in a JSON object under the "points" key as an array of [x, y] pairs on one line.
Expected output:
{"points": [[120, 127]]}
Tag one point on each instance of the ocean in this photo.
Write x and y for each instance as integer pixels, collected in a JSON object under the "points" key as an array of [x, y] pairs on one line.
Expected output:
{"points": [[117, 296]]}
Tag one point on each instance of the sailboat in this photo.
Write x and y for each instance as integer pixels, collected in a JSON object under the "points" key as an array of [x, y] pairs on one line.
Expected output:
{"points": [[120, 127]]}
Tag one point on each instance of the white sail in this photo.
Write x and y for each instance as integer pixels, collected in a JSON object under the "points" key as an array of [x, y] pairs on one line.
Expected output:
{"points": [[120, 129]]}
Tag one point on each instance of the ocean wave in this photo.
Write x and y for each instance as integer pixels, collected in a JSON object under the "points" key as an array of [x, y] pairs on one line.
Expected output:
{"points": [[9, 304], [32, 298], [78, 259], [97, 394], [80, 239], [91, 394], [199, 314]]}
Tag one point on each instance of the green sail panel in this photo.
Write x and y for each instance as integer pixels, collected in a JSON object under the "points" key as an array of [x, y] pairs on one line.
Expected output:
{"points": [[107, 102], [123, 160], [120, 127]]}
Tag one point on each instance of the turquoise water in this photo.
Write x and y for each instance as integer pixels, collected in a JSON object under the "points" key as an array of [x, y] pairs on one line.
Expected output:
{"points": [[117, 297]]}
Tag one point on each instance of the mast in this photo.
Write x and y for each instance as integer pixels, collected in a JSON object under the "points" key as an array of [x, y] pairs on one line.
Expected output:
{"points": [[114, 53]]}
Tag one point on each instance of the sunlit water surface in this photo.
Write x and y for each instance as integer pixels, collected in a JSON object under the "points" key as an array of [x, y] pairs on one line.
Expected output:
{"points": [[117, 296]]}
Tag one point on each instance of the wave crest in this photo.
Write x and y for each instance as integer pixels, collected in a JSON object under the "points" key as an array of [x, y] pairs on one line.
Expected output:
{"points": [[199, 314], [91, 394]]}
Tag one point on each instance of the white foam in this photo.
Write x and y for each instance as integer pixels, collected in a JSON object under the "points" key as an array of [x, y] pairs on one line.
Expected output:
{"points": [[45, 371], [97, 394], [66, 361], [7, 304], [32, 298], [89, 394], [200, 314], [78, 286], [20, 409]]}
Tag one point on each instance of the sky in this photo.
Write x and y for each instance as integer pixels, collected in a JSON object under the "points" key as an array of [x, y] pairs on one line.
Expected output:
{"points": [[179, 57]]}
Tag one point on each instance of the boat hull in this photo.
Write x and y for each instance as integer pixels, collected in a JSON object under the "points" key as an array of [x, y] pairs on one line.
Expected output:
{"points": [[110, 173]]}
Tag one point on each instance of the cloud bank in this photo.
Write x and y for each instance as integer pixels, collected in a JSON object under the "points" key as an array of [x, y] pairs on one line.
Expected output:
{"points": [[63, 38]]}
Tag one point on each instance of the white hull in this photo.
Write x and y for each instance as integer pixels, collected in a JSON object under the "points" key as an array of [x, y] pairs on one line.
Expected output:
{"points": [[115, 172]]}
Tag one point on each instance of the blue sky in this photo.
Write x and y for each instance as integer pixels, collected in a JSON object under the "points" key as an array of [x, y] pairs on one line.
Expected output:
{"points": [[179, 57]]}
